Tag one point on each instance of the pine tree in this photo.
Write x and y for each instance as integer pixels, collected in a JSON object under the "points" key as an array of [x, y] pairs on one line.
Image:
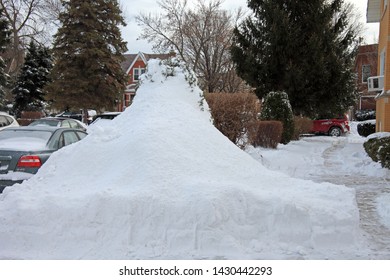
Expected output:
{"points": [[34, 75], [305, 48], [4, 40], [88, 50]]}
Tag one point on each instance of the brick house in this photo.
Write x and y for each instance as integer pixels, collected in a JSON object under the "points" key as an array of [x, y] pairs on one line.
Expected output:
{"points": [[378, 11], [134, 66], [366, 66]]}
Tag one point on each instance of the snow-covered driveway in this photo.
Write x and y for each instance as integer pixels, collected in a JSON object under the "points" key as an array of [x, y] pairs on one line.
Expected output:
{"points": [[341, 161]]}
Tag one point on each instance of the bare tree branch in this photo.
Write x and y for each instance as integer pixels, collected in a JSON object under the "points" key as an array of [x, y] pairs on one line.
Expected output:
{"points": [[29, 20], [201, 36]]}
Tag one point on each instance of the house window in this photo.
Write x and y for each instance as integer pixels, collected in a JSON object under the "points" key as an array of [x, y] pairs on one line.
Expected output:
{"points": [[138, 72], [382, 63], [366, 72]]}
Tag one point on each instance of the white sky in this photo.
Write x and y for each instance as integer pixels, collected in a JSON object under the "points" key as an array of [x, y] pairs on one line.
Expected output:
{"points": [[131, 8]]}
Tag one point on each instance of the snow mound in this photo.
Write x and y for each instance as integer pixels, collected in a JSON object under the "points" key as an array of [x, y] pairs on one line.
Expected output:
{"points": [[162, 183], [384, 209]]}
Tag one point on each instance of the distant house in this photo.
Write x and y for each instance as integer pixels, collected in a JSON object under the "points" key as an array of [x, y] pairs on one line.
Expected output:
{"points": [[366, 65], [134, 66], [378, 11]]}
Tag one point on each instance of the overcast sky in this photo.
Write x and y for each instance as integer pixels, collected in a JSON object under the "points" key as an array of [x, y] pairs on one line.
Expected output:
{"points": [[131, 8]]}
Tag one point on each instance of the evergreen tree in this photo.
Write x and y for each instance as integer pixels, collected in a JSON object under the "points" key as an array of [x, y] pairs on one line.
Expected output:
{"points": [[34, 75], [277, 107], [4, 40], [88, 50], [305, 48]]}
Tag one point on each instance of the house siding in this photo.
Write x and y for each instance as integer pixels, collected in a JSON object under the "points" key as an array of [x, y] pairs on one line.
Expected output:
{"points": [[138, 64], [382, 116], [382, 101]]}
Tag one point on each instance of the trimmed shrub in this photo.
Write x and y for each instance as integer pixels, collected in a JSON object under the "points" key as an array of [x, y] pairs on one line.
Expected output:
{"points": [[268, 134], [364, 115], [276, 107], [302, 125], [234, 114], [28, 117], [379, 150], [366, 128]]}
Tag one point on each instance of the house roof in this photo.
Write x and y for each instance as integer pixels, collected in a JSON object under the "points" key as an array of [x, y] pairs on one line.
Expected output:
{"points": [[373, 11], [372, 48], [130, 59]]}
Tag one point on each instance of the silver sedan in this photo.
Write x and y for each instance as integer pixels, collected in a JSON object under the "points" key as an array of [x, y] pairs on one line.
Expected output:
{"points": [[23, 150]]}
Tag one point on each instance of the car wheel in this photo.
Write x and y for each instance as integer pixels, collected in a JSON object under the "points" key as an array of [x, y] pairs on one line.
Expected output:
{"points": [[335, 131]]}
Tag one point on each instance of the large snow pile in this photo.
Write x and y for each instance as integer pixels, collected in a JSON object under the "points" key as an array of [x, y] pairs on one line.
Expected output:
{"points": [[162, 183]]}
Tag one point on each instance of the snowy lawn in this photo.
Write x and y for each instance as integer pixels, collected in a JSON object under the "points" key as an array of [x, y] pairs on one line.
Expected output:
{"points": [[162, 183]]}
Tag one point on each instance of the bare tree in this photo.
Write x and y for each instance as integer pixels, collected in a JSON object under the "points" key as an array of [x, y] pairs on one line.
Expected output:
{"points": [[201, 36], [29, 20]]}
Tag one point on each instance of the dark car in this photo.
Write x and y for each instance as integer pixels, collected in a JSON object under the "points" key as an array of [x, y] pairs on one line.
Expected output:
{"points": [[23, 150], [71, 115], [106, 116], [59, 122], [77, 115], [102, 120]]}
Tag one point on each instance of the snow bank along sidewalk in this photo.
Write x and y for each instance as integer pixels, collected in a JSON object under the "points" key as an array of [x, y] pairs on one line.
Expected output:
{"points": [[162, 182]]}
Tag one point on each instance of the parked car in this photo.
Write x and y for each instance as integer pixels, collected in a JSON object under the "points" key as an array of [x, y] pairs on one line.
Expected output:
{"points": [[59, 122], [7, 120], [332, 126], [107, 115], [24, 149], [77, 115], [102, 120]]}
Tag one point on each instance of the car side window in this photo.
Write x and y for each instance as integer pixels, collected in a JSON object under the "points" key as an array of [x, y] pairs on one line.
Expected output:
{"points": [[8, 120], [70, 137], [3, 121], [74, 124], [66, 124], [81, 135]]}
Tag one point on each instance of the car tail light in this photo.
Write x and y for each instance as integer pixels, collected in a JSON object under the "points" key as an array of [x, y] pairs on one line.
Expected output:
{"points": [[29, 161]]}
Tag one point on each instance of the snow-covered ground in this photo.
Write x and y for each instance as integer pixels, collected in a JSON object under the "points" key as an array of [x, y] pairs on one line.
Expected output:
{"points": [[341, 161], [162, 183]]}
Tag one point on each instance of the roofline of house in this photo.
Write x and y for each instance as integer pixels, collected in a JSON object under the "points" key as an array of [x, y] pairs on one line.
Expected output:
{"points": [[141, 55]]}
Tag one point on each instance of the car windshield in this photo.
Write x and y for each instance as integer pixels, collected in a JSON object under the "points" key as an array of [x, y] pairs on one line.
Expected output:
{"points": [[24, 139], [45, 122]]}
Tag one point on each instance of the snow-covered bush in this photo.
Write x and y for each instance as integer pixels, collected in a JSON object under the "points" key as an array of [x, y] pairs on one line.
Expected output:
{"points": [[364, 115], [268, 134], [366, 128], [277, 107], [378, 148]]}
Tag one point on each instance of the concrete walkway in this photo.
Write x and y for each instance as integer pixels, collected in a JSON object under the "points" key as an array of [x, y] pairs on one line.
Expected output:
{"points": [[368, 188]]}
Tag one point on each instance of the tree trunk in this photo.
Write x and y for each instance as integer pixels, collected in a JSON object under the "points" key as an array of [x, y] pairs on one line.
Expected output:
{"points": [[85, 116]]}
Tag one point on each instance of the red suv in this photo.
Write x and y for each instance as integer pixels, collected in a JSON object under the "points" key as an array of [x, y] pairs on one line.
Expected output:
{"points": [[331, 127]]}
